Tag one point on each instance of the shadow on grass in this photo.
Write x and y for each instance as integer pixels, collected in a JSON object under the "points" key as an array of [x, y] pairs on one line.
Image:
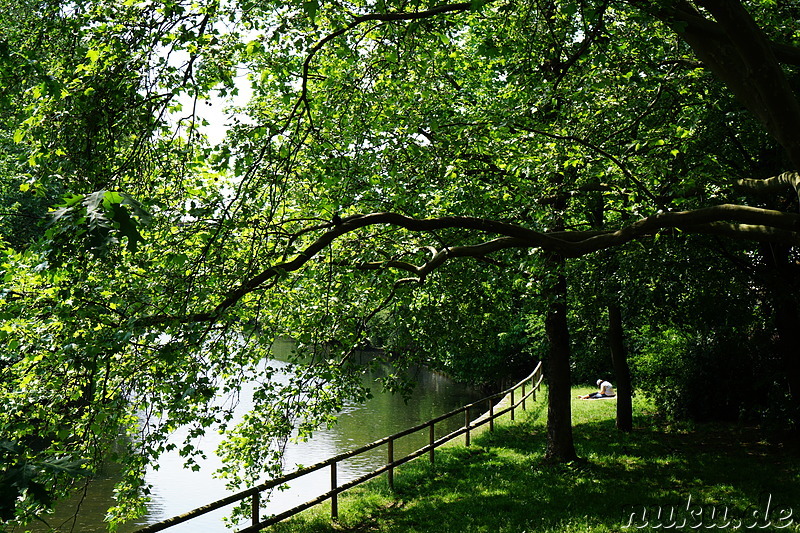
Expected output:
{"points": [[500, 483]]}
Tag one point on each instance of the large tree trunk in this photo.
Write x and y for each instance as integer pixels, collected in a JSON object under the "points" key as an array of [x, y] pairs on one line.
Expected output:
{"points": [[560, 445], [783, 287], [619, 358], [787, 323], [736, 49]]}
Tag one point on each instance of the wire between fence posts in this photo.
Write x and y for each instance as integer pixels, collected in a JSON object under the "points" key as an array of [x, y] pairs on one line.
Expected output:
{"points": [[390, 463], [255, 508], [334, 494]]}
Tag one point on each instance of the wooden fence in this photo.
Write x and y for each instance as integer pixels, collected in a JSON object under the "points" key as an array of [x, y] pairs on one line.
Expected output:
{"points": [[532, 383]]}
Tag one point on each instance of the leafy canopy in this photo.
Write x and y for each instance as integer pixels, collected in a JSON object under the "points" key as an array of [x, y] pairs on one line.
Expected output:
{"points": [[147, 270]]}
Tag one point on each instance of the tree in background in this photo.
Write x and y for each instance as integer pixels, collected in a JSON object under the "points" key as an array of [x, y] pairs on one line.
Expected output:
{"points": [[397, 159]]}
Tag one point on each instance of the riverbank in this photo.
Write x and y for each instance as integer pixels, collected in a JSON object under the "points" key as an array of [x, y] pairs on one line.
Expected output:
{"points": [[499, 484]]}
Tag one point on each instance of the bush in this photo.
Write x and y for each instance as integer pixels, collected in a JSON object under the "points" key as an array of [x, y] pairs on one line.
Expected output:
{"points": [[700, 376]]}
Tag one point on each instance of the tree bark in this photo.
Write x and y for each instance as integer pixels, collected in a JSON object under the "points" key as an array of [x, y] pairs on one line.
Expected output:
{"points": [[735, 48], [560, 444], [787, 323], [619, 358], [787, 319]]}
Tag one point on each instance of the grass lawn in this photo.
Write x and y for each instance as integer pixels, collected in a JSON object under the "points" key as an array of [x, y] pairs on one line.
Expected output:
{"points": [[500, 484]]}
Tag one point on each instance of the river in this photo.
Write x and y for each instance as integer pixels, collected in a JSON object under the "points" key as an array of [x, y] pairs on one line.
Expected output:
{"points": [[176, 490]]}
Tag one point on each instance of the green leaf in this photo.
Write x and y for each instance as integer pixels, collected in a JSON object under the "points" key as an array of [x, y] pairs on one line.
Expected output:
{"points": [[477, 5], [66, 465], [111, 197], [310, 8], [127, 226]]}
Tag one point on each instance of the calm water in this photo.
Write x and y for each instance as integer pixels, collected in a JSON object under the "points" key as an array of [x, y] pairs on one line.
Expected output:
{"points": [[177, 490]]}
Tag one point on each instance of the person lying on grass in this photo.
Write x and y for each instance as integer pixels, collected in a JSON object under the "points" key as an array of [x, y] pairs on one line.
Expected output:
{"points": [[606, 391]]}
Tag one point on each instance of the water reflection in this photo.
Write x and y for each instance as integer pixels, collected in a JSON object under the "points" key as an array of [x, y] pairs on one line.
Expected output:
{"points": [[177, 490]]}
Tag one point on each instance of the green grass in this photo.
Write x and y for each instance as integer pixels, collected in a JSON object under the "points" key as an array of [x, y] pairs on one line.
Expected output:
{"points": [[500, 483]]}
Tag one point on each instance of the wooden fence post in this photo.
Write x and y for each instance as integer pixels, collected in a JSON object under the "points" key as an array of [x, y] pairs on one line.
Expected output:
{"points": [[255, 508], [512, 404], [523, 395], [335, 495], [390, 473], [432, 439], [491, 416], [466, 425]]}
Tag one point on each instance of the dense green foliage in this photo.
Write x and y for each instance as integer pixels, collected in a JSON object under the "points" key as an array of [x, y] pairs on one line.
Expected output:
{"points": [[416, 176], [693, 359]]}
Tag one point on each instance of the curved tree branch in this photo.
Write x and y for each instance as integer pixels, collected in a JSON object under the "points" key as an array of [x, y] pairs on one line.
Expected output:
{"points": [[730, 220], [775, 184]]}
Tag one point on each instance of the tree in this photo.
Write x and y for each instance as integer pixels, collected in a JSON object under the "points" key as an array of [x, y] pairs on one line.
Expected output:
{"points": [[384, 141]]}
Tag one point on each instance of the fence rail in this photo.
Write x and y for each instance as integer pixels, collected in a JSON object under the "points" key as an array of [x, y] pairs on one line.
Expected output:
{"points": [[254, 493]]}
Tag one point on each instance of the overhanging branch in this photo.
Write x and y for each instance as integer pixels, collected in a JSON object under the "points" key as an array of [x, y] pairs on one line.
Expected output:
{"points": [[729, 220], [776, 184]]}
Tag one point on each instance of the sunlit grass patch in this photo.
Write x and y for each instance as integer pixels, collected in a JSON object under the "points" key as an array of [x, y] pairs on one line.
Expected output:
{"points": [[501, 484]]}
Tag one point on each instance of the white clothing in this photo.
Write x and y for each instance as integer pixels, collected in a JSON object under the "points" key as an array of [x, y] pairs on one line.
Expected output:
{"points": [[606, 389]]}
